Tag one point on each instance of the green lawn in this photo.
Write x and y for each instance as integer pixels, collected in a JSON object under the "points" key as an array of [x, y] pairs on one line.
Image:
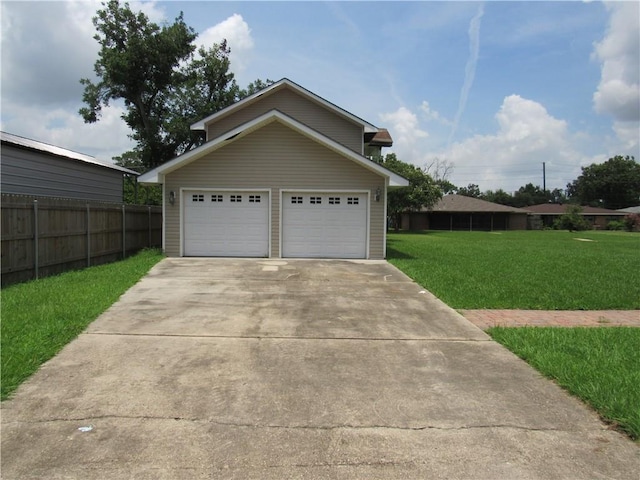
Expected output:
{"points": [[42, 316], [536, 270], [599, 365]]}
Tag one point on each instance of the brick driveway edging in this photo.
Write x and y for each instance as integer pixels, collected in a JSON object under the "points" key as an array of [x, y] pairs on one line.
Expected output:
{"points": [[485, 319]]}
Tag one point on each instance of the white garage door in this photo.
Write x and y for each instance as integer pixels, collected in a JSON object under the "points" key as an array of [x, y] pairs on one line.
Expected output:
{"points": [[324, 225], [226, 224]]}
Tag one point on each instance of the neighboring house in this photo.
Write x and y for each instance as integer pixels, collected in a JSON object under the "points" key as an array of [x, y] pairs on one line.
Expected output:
{"points": [[458, 212], [283, 173], [544, 214], [30, 167]]}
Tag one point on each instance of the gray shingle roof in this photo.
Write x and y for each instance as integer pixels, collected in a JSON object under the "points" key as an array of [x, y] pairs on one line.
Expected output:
{"points": [[460, 203]]}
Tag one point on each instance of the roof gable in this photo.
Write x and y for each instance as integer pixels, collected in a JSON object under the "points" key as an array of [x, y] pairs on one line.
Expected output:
{"points": [[277, 86], [157, 175]]}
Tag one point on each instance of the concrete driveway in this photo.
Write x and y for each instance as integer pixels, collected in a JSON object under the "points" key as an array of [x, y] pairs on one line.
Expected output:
{"points": [[224, 368]]}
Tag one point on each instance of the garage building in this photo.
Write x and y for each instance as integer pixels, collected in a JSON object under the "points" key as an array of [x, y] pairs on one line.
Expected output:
{"points": [[282, 174]]}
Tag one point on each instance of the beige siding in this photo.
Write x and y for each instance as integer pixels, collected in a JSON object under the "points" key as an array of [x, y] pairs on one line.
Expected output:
{"points": [[300, 108], [275, 157]]}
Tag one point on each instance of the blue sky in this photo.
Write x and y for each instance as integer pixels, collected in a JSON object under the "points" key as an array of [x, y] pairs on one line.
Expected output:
{"points": [[489, 89]]}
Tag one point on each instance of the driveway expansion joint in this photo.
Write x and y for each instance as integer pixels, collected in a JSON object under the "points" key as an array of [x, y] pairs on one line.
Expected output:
{"points": [[280, 337], [267, 426]]}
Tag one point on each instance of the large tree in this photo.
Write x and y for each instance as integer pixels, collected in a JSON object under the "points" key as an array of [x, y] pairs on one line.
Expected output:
{"points": [[165, 83], [613, 184], [422, 191], [530, 194]]}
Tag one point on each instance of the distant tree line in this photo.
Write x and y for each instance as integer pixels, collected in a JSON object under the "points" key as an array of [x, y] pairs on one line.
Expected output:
{"points": [[613, 184]]}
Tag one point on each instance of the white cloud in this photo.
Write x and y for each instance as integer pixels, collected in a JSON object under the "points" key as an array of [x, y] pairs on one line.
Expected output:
{"points": [[406, 132], [33, 68], [523, 120], [618, 93], [431, 114], [151, 9], [238, 35], [528, 135], [65, 128]]}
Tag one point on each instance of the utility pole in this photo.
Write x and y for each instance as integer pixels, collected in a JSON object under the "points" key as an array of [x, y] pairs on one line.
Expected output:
{"points": [[544, 177]]}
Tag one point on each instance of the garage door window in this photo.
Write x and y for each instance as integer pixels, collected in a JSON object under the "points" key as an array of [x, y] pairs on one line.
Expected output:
{"points": [[236, 198], [254, 198], [296, 200], [197, 198], [315, 200], [216, 198], [353, 201], [334, 200]]}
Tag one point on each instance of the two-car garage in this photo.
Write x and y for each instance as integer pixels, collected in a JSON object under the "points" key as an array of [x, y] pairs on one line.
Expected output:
{"points": [[237, 223]]}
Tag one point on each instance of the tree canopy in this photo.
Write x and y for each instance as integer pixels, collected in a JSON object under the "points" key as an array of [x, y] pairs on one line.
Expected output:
{"points": [[422, 191], [613, 184], [165, 82]]}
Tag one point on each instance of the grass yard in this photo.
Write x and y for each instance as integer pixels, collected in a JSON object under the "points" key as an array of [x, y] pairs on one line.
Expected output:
{"points": [[42, 316], [534, 270], [599, 365]]}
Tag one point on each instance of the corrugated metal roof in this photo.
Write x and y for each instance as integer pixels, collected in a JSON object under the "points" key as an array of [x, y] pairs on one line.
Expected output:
{"points": [[460, 203], [559, 209], [59, 151]]}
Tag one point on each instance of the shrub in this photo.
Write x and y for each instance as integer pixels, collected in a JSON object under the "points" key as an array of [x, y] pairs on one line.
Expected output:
{"points": [[632, 222], [616, 225], [572, 220]]}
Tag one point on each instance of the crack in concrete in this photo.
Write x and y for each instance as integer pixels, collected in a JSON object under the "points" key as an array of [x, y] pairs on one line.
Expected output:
{"points": [[378, 464], [345, 426], [258, 337]]}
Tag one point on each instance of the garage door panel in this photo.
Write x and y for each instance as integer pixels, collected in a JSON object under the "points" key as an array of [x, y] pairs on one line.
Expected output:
{"points": [[226, 223], [327, 225]]}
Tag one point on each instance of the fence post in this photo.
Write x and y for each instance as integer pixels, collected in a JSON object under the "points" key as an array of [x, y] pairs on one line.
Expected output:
{"points": [[88, 236], [124, 225], [149, 222], [36, 262]]}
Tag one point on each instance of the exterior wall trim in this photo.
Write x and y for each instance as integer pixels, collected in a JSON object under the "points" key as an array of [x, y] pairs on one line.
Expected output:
{"points": [[328, 190], [157, 175], [183, 190]]}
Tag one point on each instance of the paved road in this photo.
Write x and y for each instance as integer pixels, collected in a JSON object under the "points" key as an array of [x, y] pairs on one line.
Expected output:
{"points": [[221, 368]]}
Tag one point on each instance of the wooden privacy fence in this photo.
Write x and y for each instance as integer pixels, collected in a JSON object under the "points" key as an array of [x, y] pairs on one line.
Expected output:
{"points": [[44, 236]]}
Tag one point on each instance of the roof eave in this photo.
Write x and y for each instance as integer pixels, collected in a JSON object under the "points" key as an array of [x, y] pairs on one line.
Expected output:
{"points": [[157, 175]]}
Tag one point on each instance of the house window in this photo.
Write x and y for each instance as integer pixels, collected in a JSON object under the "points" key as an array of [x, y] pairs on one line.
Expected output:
{"points": [[236, 198], [216, 198], [334, 200], [315, 200], [353, 200], [296, 200], [254, 198], [197, 198]]}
